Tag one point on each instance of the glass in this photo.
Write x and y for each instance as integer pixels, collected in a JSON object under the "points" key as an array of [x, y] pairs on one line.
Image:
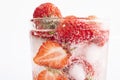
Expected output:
{"points": [[69, 48]]}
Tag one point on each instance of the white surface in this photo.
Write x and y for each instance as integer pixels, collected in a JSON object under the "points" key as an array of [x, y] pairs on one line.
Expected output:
{"points": [[14, 40]]}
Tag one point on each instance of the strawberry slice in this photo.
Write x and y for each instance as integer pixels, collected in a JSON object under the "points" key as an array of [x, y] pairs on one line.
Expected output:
{"points": [[51, 75], [51, 54]]}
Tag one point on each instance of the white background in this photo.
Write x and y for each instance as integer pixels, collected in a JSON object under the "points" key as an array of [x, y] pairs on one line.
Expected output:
{"points": [[15, 23]]}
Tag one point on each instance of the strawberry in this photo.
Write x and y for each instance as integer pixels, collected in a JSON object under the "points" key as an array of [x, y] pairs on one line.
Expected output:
{"points": [[51, 75], [74, 29], [51, 54], [47, 10], [45, 16]]}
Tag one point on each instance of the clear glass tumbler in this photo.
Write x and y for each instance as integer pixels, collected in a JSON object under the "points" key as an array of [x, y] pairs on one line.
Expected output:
{"points": [[70, 48]]}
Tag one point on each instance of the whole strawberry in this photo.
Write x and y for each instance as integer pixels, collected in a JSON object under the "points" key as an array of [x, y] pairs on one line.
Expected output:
{"points": [[74, 30], [46, 10], [46, 16]]}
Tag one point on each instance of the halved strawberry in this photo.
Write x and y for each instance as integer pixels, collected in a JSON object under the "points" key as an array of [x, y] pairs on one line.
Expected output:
{"points": [[51, 75], [51, 54], [46, 10]]}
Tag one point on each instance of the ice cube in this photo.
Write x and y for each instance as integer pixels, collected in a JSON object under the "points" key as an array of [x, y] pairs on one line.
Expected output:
{"points": [[95, 53], [77, 72], [78, 49], [97, 56]]}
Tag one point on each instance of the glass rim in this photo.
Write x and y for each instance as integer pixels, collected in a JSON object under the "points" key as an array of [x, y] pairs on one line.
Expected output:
{"points": [[43, 30], [81, 18]]}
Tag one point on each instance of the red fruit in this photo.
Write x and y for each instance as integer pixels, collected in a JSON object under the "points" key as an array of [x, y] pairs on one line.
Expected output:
{"points": [[51, 54], [42, 15], [73, 29], [50, 75], [46, 10]]}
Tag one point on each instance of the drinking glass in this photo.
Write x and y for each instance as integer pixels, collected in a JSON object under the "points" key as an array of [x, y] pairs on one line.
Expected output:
{"points": [[69, 48]]}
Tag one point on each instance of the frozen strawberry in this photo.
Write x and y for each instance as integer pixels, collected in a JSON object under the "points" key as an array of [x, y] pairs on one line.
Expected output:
{"points": [[42, 16], [51, 75], [51, 54], [46, 10], [79, 69], [73, 29]]}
